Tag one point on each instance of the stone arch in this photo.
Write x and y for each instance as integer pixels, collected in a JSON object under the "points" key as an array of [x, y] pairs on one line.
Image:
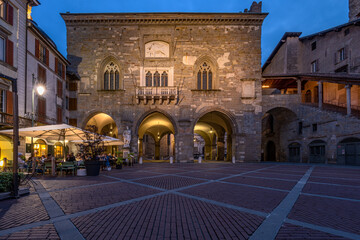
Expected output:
{"points": [[232, 119], [212, 63], [162, 129], [91, 114], [100, 72], [283, 121], [147, 113], [217, 129]]}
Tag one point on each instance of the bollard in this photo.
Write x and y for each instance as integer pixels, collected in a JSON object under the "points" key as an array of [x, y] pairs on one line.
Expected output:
{"points": [[140, 160], [199, 160], [171, 160], [233, 159]]}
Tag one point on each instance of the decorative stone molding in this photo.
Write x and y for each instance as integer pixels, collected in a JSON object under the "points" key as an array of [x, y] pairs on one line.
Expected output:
{"points": [[164, 18]]}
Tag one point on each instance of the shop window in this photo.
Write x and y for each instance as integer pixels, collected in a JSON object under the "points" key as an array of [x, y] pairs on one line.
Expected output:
{"points": [[40, 148], [58, 150]]}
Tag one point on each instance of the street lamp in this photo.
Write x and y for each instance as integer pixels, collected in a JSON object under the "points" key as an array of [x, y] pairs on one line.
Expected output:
{"points": [[40, 90]]}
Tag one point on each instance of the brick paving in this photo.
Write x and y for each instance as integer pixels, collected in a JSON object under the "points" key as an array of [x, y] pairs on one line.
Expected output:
{"points": [[191, 201], [43, 232], [25, 210], [289, 231]]}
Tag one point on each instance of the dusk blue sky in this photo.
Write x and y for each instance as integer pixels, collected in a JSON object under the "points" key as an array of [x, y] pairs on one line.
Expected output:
{"points": [[307, 16]]}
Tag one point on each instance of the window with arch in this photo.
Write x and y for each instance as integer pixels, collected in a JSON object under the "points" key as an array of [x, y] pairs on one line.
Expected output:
{"points": [[156, 78], [111, 77], [205, 77]]}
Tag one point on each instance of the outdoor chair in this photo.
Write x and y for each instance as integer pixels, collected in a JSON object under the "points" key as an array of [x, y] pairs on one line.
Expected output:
{"points": [[47, 166], [68, 166]]}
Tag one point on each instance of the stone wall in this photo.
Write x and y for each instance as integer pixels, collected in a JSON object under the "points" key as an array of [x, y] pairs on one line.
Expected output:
{"points": [[231, 43], [354, 10]]}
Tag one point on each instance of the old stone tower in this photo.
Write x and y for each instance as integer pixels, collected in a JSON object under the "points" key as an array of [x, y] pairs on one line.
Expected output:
{"points": [[171, 84], [354, 9]]}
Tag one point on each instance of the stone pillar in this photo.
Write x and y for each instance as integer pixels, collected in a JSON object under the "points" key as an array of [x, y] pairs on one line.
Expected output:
{"points": [[184, 142], [140, 144], [320, 94], [229, 151], [221, 149], [207, 153], [348, 99], [157, 150], [298, 81]]}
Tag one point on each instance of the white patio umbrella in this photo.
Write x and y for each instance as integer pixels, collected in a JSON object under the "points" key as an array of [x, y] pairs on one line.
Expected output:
{"points": [[61, 132]]}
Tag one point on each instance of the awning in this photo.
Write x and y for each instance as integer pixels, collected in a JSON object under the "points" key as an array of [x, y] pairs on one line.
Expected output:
{"points": [[57, 132]]}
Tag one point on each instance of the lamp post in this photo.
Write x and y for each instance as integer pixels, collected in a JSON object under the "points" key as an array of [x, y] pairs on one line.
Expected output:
{"points": [[40, 89]]}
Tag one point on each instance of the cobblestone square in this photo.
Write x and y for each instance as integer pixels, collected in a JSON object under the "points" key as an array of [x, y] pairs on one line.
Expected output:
{"points": [[190, 201]]}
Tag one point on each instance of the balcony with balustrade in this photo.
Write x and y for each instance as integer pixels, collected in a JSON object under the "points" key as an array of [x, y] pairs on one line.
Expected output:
{"points": [[156, 94]]}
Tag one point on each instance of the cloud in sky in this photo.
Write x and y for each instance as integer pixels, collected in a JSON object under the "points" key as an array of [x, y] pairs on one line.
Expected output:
{"points": [[307, 16]]}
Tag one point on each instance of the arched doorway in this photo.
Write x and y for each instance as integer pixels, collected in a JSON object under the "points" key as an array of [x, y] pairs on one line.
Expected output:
{"points": [[294, 152], [317, 151], [348, 151], [270, 155], [277, 130], [156, 140], [214, 131], [104, 124]]}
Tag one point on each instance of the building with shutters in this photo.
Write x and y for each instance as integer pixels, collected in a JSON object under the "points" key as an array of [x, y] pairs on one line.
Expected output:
{"points": [[28, 54]]}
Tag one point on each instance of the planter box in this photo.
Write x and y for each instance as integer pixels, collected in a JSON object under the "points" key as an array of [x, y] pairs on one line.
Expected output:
{"points": [[92, 168]]}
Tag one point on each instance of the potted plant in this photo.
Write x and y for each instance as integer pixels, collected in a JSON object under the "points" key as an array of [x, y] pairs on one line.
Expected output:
{"points": [[119, 162], [92, 148]]}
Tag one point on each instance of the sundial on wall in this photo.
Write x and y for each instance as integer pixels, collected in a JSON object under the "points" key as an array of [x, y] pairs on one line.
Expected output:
{"points": [[157, 49]]}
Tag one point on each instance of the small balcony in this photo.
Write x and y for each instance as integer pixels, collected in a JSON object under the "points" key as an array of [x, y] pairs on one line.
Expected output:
{"points": [[156, 94]]}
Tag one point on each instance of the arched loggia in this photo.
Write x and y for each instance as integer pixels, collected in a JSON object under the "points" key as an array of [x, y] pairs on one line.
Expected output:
{"points": [[156, 139], [216, 131]]}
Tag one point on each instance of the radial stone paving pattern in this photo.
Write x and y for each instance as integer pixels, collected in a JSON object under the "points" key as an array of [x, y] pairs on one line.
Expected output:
{"points": [[191, 201], [168, 216]]}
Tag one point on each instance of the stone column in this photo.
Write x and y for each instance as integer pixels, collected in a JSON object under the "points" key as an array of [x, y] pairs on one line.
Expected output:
{"points": [[157, 150], [221, 149], [184, 142], [207, 153], [298, 81], [320, 94], [348, 99], [140, 144]]}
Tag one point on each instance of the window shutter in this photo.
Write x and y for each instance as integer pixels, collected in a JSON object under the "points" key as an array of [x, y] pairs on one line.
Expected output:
{"points": [[59, 88], [335, 58], [10, 14], [73, 104], [59, 115], [9, 52], [9, 102], [47, 56], [63, 71], [56, 65], [37, 49]]}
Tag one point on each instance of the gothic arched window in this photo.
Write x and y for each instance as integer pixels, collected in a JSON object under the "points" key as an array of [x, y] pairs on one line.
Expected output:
{"points": [[204, 77], [164, 79], [148, 79], [156, 79], [106, 80], [111, 77]]}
